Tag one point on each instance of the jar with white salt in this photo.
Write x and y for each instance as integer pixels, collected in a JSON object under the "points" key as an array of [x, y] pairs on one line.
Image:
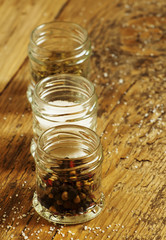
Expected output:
{"points": [[63, 99]]}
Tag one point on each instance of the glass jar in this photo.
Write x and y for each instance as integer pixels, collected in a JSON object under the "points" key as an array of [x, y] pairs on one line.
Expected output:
{"points": [[68, 172], [63, 99], [58, 47]]}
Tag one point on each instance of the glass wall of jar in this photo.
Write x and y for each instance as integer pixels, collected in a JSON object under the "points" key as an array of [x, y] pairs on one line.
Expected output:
{"points": [[58, 47], [63, 99], [68, 172]]}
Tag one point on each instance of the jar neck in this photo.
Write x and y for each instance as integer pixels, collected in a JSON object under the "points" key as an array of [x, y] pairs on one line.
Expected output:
{"points": [[72, 147], [65, 96], [58, 42]]}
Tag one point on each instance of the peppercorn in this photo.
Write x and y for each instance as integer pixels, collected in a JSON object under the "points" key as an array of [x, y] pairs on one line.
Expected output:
{"points": [[56, 183], [73, 172], [50, 195], [64, 196], [53, 178], [67, 205], [52, 209], [78, 184], [77, 199], [87, 183], [72, 193], [59, 202], [83, 196]]}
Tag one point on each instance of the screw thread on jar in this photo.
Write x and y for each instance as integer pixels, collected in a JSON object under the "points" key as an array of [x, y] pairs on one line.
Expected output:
{"points": [[63, 99]]}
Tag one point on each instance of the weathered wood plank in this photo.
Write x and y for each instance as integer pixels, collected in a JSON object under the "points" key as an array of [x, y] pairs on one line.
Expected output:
{"points": [[18, 19]]}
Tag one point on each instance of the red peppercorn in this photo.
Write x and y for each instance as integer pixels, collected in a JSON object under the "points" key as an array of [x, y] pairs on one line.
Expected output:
{"points": [[49, 182], [71, 164]]}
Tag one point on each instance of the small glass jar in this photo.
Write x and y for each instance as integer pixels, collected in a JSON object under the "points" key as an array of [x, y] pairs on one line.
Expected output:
{"points": [[68, 172], [58, 47], [63, 99]]}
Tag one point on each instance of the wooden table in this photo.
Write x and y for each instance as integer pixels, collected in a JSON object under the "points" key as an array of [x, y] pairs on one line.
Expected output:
{"points": [[129, 73]]}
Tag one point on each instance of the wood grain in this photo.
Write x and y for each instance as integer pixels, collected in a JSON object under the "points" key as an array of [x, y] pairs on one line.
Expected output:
{"points": [[128, 69], [18, 19]]}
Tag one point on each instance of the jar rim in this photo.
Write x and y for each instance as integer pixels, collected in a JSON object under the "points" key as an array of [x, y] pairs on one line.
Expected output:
{"points": [[62, 129], [56, 25], [58, 78]]}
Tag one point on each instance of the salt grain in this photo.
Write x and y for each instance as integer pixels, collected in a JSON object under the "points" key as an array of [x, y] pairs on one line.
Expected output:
{"points": [[9, 226], [97, 227], [152, 120], [121, 81], [108, 226], [105, 74], [146, 115]]}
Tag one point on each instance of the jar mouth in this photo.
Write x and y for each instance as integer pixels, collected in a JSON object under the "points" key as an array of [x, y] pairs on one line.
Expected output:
{"points": [[69, 142], [57, 38], [65, 93]]}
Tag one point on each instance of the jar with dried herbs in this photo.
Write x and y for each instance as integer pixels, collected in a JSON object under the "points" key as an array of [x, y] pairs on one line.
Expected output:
{"points": [[56, 48]]}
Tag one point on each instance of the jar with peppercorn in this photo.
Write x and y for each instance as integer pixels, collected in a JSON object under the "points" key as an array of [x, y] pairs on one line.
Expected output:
{"points": [[68, 172]]}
